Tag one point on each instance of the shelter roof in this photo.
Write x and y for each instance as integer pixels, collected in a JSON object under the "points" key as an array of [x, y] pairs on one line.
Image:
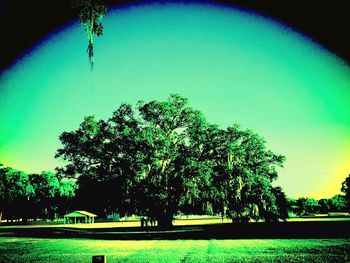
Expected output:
{"points": [[80, 214]]}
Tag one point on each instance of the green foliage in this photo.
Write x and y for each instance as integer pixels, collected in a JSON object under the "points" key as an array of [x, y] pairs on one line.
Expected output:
{"points": [[67, 188], [243, 173], [164, 168], [338, 203], [15, 191], [100, 155], [345, 188], [165, 157], [90, 13], [32, 196], [51, 194], [46, 185], [281, 205], [307, 206], [325, 205]]}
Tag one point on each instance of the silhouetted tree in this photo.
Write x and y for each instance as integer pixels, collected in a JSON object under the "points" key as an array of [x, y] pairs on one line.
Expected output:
{"points": [[3, 184], [46, 187], [95, 156], [32, 195], [50, 196], [15, 192], [345, 188], [281, 204], [167, 157], [338, 203], [163, 166], [306, 206], [324, 205], [203, 193], [244, 171]]}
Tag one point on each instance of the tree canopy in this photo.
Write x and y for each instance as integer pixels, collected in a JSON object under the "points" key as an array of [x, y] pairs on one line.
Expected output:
{"points": [[25, 195], [165, 156], [158, 159], [345, 188]]}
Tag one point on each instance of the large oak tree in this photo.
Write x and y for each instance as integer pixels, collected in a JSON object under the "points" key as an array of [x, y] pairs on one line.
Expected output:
{"points": [[165, 156]]}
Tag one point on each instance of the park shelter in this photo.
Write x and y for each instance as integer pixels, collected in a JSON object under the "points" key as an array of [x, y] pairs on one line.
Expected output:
{"points": [[79, 217]]}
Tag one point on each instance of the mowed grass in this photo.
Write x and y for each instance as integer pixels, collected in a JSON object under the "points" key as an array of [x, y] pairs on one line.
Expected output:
{"points": [[240, 250], [181, 222]]}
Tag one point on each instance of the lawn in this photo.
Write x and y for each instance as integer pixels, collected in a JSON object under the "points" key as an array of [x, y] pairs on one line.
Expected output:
{"points": [[187, 241], [22, 249]]}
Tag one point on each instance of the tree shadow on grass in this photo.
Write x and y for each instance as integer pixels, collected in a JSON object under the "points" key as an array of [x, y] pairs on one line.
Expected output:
{"points": [[281, 230]]}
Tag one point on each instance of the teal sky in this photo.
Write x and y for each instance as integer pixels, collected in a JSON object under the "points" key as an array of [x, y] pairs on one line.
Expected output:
{"points": [[235, 67]]}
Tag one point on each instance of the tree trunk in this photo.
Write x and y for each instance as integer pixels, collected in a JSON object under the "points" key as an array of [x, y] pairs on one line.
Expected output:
{"points": [[165, 221]]}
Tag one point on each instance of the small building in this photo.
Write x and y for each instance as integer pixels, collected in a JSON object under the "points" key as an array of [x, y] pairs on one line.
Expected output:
{"points": [[79, 217]]}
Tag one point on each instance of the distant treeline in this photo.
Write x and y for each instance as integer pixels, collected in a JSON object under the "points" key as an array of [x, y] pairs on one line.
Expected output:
{"points": [[34, 196], [305, 206], [46, 196]]}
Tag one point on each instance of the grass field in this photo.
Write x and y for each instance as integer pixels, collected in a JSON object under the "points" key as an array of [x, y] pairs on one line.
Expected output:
{"points": [[178, 222], [241, 250], [210, 241]]}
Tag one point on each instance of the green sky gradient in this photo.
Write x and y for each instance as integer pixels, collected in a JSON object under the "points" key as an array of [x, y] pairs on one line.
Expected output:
{"points": [[235, 67]]}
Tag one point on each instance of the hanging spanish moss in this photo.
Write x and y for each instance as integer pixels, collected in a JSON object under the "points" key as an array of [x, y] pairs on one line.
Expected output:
{"points": [[90, 51], [90, 12]]}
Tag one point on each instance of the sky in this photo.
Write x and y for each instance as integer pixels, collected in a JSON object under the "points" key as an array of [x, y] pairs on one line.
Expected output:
{"points": [[234, 66], [324, 21]]}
